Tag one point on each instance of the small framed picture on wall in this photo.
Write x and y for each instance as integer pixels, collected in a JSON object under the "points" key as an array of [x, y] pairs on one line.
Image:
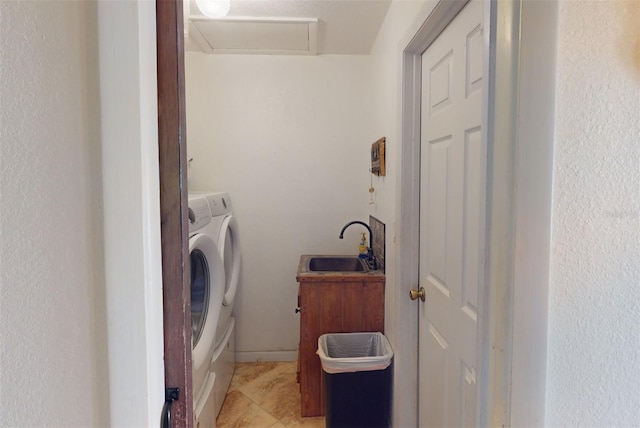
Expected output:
{"points": [[377, 157]]}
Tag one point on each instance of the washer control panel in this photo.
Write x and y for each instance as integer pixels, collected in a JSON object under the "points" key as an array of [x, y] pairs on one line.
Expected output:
{"points": [[199, 213]]}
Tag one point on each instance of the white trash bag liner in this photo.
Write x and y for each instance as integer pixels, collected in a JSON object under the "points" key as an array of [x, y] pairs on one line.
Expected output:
{"points": [[354, 352]]}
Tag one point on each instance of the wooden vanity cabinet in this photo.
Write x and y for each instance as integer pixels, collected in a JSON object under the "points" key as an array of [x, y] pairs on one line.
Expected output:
{"points": [[333, 304]]}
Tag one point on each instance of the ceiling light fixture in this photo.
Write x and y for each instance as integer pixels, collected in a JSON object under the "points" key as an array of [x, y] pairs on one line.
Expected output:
{"points": [[214, 8]]}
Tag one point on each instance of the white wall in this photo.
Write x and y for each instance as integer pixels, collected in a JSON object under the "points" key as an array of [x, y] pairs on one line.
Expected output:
{"points": [[289, 138], [594, 340], [52, 329], [81, 340]]}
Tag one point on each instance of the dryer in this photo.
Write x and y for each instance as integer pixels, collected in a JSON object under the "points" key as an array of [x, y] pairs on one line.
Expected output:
{"points": [[207, 294], [225, 226]]}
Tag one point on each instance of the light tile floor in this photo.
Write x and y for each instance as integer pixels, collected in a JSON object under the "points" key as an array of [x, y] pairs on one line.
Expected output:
{"points": [[264, 395]]}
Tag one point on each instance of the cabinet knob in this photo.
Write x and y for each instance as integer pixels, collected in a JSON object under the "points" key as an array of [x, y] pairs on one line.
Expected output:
{"points": [[298, 310]]}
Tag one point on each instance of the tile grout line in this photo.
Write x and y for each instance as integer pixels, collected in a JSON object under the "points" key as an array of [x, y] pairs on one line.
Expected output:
{"points": [[244, 383]]}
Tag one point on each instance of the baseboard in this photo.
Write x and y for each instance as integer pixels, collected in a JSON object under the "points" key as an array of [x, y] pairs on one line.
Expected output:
{"points": [[252, 357]]}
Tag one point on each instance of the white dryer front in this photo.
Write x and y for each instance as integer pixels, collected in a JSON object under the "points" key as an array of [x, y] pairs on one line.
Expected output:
{"points": [[229, 249], [207, 294]]}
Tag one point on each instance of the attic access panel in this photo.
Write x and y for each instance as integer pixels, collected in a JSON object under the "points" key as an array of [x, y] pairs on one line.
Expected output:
{"points": [[255, 35]]}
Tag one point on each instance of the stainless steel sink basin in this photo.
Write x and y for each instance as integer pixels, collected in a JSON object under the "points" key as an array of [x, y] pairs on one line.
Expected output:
{"points": [[336, 264]]}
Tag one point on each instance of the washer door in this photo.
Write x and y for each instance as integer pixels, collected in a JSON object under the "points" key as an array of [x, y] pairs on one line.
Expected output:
{"points": [[229, 248], [207, 291]]}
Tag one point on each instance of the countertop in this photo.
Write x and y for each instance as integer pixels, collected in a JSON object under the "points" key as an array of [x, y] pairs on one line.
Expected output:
{"points": [[305, 275]]}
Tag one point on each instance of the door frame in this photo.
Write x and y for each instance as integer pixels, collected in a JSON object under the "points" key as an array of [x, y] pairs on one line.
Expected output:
{"points": [[172, 148], [513, 309]]}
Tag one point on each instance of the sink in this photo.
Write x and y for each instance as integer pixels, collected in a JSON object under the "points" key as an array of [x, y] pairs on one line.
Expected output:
{"points": [[336, 264]]}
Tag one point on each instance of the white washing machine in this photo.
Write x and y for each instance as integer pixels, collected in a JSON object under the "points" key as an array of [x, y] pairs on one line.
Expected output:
{"points": [[228, 241], [207, 294]]}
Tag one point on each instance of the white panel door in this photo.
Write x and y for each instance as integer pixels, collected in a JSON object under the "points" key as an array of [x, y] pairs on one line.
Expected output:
{"points": [[452, 205]]}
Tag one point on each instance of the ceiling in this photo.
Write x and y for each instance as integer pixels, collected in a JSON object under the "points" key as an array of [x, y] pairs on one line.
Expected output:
{"points": [[289, 27]]}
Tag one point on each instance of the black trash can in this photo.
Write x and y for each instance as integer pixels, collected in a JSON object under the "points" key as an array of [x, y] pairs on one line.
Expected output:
{"points": [[358, 378]]}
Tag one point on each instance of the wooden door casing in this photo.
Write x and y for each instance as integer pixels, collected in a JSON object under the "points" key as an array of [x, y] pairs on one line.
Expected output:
{"points": [[173, 208]]}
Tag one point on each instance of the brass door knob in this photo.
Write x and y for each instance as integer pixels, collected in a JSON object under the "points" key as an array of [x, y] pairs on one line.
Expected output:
{"points": [[415, 294]]}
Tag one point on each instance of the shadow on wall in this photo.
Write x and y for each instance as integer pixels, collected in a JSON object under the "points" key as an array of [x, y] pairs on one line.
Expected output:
{"points": [[630, 35]]}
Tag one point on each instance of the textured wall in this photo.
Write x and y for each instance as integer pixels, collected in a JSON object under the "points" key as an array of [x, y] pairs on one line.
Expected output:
{"points": [[594, 339], [50, 259], [291, 144]]}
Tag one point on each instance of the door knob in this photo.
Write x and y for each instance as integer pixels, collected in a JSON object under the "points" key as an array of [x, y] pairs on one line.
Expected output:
{"points": [[415, 294]]}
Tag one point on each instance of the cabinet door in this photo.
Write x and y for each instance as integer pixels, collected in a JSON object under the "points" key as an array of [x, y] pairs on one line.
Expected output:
{"points": [[373, 306], [362, 307], [352, 308], [332, 307]]}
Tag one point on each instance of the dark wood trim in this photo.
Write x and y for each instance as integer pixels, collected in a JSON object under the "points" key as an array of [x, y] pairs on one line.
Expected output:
{"points": [[173, 208]]}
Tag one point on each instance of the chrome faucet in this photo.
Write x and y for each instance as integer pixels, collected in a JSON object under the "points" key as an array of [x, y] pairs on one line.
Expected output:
{"points": [[371, 259]]}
